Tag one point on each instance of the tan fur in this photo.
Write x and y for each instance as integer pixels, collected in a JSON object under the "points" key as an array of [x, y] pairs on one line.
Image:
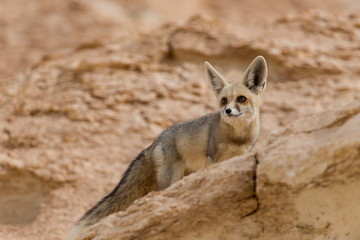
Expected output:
{"points": [[191, 145]]}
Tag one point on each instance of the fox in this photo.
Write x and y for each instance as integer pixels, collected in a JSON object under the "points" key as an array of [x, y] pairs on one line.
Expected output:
{"points": [[191, 145]]}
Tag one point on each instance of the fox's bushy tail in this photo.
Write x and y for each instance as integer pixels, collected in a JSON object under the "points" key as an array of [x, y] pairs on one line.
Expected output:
{"points": [[138, 180]]}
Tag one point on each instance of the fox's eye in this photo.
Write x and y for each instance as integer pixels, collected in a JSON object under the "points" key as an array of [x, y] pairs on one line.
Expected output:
{"points": [[224, 101], [241, 99]]}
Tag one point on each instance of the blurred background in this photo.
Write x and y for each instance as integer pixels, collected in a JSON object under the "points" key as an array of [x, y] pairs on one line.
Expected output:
{"points": [[30, 29], [85, 85]]}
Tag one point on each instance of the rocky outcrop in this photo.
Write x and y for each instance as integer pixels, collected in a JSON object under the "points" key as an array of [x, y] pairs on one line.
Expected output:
{"points": [[308, 175], [206, 205], [303, 185], [86, 85]]}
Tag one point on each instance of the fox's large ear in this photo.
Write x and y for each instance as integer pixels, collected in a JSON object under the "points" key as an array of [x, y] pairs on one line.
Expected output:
{"points": [[217, 81], [255, 75]]}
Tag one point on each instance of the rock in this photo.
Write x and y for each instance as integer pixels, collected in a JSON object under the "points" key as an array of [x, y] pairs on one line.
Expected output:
{"points": [[207, 205], [307, 176], [307, 180]]}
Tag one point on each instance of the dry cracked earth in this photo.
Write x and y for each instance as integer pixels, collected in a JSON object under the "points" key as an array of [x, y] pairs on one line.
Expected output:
{"points": [[86, 85]]}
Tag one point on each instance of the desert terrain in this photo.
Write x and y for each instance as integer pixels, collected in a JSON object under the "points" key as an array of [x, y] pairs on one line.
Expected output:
{"points": [[86, 85]]}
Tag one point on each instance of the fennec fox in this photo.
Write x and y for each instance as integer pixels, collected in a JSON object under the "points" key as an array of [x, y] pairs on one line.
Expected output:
{"points": [[191, 145]]}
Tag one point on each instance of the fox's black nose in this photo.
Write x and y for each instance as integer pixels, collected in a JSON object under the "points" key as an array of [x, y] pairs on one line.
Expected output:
{"points": [[228, 110]]}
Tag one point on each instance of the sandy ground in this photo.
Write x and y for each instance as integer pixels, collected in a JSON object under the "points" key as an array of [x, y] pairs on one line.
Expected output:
{"points": [[86, 85]]}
